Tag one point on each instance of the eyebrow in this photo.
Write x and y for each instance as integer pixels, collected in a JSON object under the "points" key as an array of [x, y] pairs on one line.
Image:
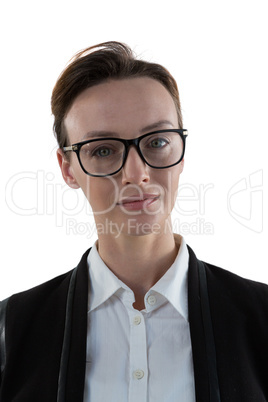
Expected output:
{"points": [[105, 133], [157, 125]]}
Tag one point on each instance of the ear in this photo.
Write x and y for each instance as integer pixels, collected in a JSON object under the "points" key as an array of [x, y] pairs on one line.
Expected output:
{"points": [[66, 170]]}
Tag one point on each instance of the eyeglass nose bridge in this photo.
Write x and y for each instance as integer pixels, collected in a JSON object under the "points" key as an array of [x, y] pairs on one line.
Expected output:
{"points": [[128, 144]]}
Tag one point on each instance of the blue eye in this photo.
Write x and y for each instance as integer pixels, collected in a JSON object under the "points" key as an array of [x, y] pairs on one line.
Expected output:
{"points": [[102, 152], [158, 143]]}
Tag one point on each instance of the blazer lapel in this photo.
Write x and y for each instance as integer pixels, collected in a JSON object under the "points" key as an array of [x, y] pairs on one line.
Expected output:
{"points": [[77, 353], [197, 332]]}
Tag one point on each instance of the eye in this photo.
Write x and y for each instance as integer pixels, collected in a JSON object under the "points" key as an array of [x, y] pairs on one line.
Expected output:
{"points": [[92, 150], [158, 143], [102, 152]]}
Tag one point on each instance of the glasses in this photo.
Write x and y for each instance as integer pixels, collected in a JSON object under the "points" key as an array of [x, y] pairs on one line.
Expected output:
{"points": [[106, 156]]}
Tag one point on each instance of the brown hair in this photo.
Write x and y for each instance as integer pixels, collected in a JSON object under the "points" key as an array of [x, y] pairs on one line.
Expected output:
{"points": [[89, 67]]}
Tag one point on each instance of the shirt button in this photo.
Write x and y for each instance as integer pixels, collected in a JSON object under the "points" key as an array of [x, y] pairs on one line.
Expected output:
{"points": [[138, 374], [151, 300], [137, 320]]}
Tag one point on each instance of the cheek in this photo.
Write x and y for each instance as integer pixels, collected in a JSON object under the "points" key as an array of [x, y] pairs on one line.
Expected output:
{"points": [[170, 186], [100, 192], [168, 179]]}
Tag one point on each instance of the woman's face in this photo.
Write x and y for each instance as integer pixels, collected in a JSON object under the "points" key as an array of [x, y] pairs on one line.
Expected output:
{"points": [[138, 199]]}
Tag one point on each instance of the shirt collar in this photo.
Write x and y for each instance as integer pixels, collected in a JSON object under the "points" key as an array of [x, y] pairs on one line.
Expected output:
{"points": [[103, 283], [172, 285]]}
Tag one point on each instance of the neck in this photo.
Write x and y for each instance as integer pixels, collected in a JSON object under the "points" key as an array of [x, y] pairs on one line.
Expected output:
{"points": [[138, 261]]}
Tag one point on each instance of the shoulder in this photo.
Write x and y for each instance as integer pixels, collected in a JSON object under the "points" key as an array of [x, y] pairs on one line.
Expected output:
{"points": [[237, 300], [228, 290], [51, 289], [38, 298], [231, 282]]}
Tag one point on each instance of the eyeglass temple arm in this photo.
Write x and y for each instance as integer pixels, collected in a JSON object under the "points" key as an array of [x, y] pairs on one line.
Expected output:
{"points": [[70, 148]]}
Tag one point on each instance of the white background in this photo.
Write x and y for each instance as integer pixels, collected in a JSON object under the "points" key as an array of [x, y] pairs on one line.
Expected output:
{"points": [[216, 50]]}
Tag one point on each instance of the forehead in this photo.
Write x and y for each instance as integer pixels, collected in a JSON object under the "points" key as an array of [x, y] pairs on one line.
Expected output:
{"points": [[120, 105]]}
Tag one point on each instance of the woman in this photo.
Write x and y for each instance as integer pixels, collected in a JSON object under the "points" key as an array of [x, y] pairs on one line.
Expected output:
{"points": [[137, 320]]}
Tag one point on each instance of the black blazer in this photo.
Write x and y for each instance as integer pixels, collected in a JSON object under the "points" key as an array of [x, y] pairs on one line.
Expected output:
{"points": [[38, 347]]}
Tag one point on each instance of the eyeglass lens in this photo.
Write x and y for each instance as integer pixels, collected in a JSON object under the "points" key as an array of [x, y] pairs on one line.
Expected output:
{"points": [[104, 157]]}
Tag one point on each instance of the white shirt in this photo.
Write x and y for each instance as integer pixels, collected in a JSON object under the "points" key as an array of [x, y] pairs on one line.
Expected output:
{"points": [[139, 356]]}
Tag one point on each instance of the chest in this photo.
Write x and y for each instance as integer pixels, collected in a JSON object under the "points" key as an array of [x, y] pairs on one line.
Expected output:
{"points": [[135, 355]]}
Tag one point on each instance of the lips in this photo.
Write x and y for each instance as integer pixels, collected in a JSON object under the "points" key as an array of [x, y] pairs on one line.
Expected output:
{"points": [[139, 202], [138, 198]]}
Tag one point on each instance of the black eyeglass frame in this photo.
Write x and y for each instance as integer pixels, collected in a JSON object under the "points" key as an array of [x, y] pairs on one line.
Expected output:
{"points": [[127, 143]]}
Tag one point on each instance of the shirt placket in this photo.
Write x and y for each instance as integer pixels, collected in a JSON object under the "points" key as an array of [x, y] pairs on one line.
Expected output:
{"points": [[138, 362]]}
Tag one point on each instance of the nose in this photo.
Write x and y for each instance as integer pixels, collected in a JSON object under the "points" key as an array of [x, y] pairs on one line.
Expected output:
{"points": [[135, 170]]}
